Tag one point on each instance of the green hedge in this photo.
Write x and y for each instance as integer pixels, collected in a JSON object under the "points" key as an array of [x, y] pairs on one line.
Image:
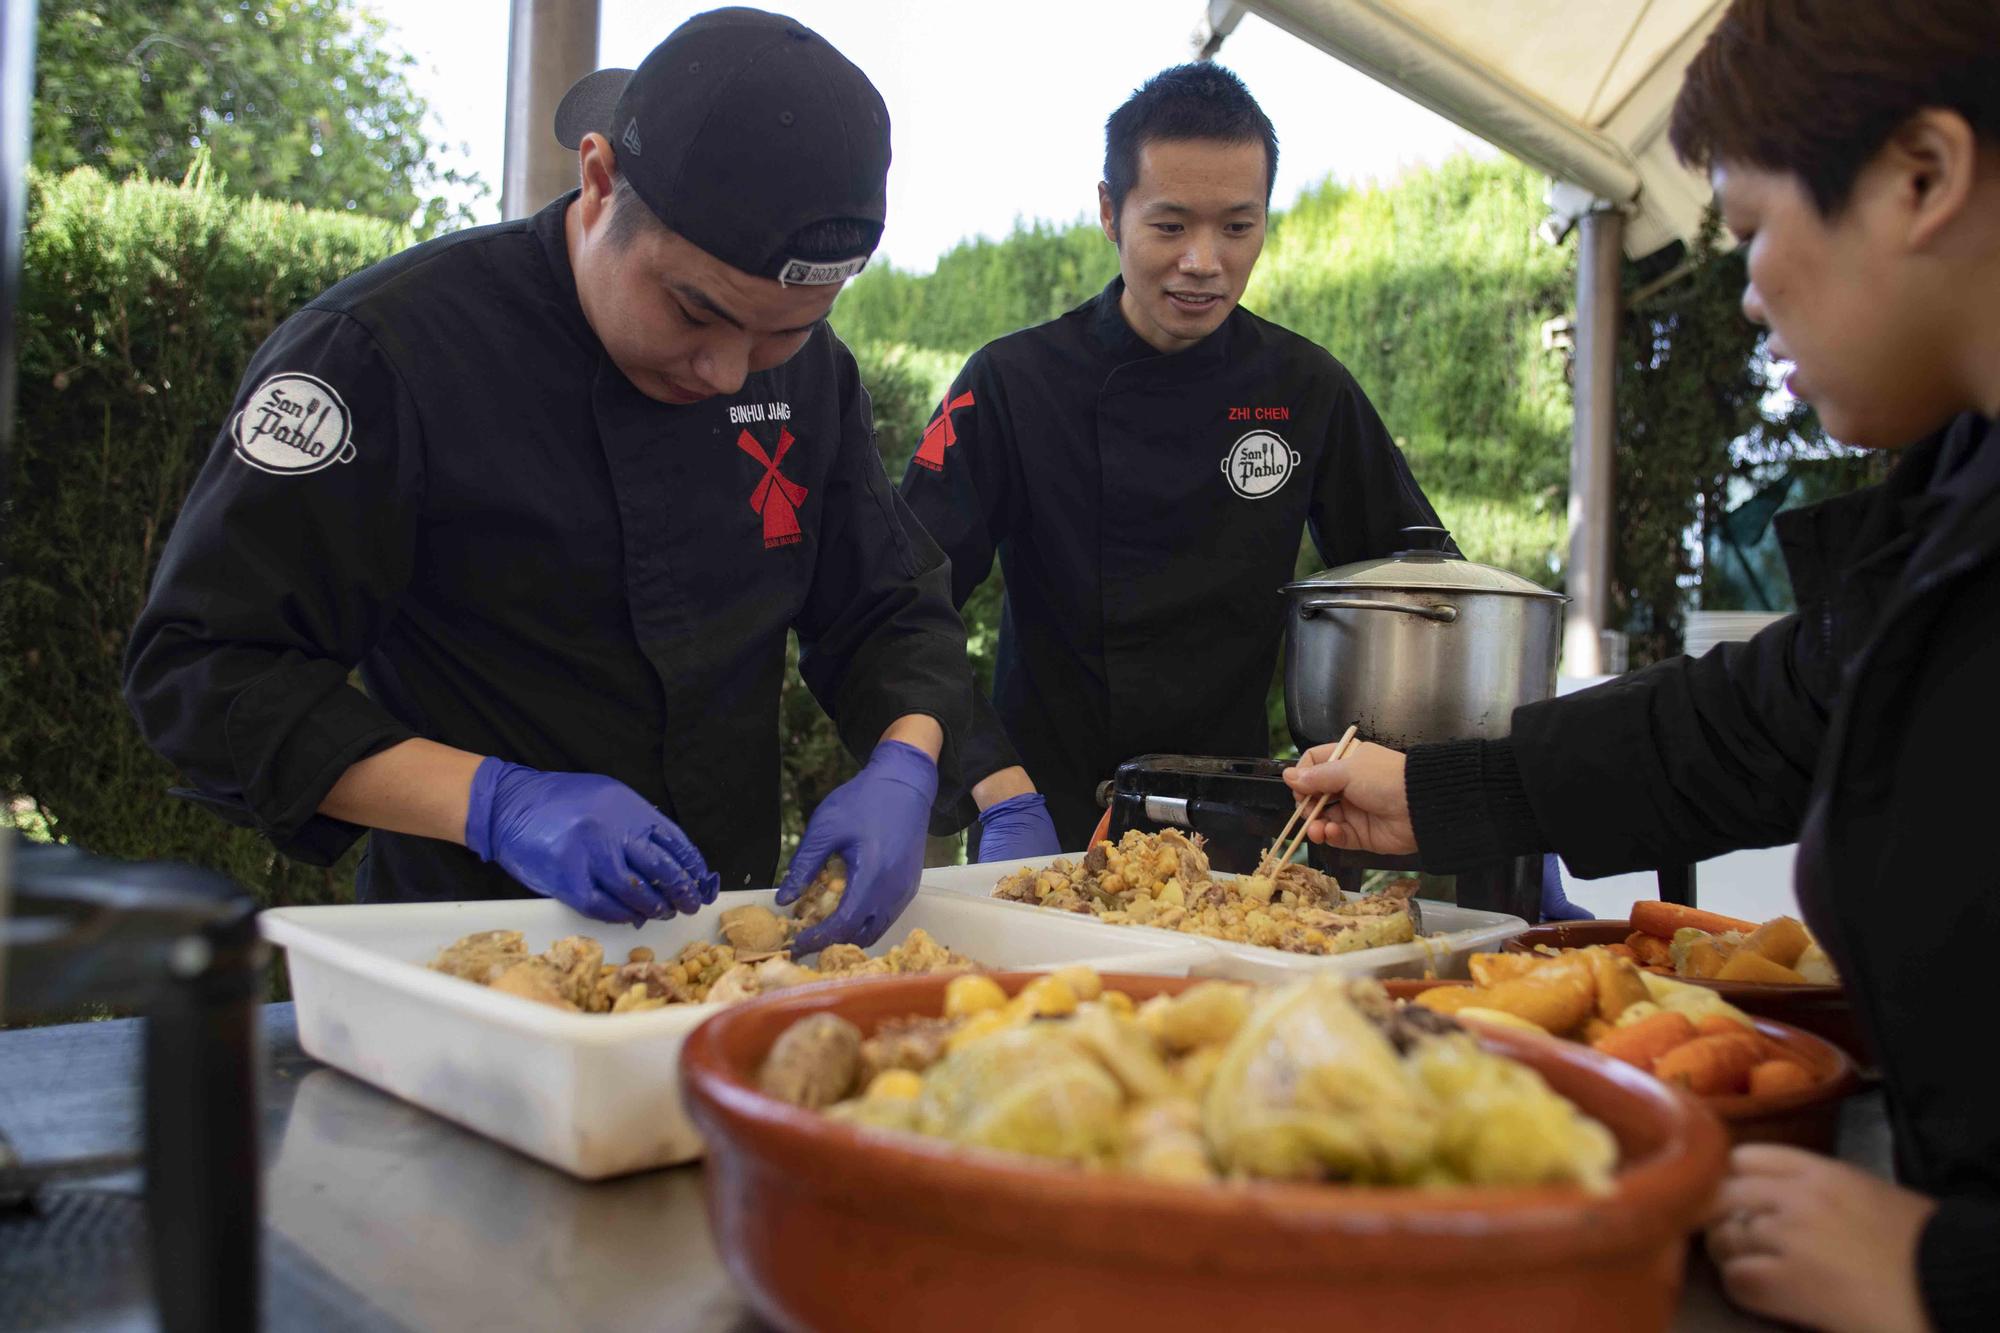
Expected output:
{"points": [[142, 303]]}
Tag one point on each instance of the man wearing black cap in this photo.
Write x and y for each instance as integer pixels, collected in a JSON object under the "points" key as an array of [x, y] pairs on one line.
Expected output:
{"points": [[559, 488]]}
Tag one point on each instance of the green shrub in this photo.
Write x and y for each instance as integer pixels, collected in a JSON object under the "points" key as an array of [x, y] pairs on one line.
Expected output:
{"points": [[141, 304]]}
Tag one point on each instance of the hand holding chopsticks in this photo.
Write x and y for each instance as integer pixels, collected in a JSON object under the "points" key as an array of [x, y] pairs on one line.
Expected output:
{"points": [[1273, 858]]}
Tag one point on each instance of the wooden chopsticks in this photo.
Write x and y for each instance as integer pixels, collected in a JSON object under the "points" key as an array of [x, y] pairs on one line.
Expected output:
{"points": [[1273, 858]]}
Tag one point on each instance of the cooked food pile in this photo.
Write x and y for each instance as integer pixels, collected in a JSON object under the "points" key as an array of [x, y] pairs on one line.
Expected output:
{"points": [[1681, 1034], [1323, 1079], [753, 956], [1162, 879], [1687, 942]]}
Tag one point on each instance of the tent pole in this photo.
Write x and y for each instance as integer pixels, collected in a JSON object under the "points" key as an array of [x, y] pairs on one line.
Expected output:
{"points": [[550, 45], [1598, 266]]}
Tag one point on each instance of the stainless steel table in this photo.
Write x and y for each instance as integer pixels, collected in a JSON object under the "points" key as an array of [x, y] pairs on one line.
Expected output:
{"points": [[380, 1216]]}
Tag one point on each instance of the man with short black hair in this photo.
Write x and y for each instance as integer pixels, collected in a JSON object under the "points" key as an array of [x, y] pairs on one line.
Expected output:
{"points": [[560, 488], [1144, 467]]}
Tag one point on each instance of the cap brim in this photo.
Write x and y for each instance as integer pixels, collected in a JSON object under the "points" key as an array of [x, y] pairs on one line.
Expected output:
{"points": [[586, 108]]}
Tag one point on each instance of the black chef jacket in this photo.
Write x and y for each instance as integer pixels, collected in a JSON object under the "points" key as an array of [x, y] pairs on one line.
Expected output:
{"points": [[434, 472], [1146, 510]]}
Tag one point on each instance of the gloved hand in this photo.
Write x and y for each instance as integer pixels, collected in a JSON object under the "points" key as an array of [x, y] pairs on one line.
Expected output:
{"points": [[585, 840], [876, 821], [1017, 827], [1556, 905]]}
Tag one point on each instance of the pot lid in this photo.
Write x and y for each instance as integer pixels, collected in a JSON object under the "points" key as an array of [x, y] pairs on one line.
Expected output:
{"points": [[1424, 569]]}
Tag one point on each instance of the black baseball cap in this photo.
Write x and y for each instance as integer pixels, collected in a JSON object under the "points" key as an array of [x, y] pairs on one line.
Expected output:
{"points": [[740, 131]]}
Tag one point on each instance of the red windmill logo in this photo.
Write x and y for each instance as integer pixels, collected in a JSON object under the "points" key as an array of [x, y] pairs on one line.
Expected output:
{"points": [[776, 498], [939, 436]]}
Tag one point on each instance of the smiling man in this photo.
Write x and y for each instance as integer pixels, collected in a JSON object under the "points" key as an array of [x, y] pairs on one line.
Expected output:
{"points": [[1144, 467], [560, 488]]}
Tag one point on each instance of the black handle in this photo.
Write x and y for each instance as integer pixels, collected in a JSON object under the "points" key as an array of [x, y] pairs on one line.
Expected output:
{"points": [[202, 1177], [1425, 539]]}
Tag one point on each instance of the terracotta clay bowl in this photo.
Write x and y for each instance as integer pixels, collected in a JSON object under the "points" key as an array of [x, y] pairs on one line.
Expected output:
{"points": [[829, 1227], [1808, 1118], [1821, 1010]]}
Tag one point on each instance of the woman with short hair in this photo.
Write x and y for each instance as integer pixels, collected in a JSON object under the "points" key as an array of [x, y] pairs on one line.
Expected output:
{"points": [[1855, 151]]}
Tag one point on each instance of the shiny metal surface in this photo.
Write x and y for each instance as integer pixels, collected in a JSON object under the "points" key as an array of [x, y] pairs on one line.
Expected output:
{"points": [[406, 1221], [1420, 571], [1419, 676], [1594, 437]]}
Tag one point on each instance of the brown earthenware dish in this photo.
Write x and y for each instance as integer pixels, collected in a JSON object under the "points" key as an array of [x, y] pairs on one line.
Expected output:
{"points": [[1808, 1118], [1821, 1010], [829, 1227]]}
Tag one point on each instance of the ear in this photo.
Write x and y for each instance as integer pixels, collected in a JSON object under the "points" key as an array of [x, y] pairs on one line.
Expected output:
{"points": [[1107, 215], [596, 167], [1933, 160]]}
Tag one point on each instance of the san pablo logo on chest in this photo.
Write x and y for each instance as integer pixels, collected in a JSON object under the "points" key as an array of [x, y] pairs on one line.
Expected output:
{"points": [[291, 424], [1259, 464]]}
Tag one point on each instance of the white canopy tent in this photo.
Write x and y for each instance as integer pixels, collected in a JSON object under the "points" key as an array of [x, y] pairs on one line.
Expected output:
{"points": [[1582, 92]]}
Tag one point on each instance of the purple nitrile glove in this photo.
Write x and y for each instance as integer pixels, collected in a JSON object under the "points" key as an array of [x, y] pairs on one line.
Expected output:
{"points": [[876, 821], [1556, 906], [585, 840], [1015, 828]]}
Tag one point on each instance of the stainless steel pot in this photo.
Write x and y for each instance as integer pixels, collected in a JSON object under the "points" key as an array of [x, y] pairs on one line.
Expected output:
{"points": [[1421, 646]]}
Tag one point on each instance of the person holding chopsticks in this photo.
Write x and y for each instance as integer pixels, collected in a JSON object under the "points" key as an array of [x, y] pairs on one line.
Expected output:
{"points": [[1855, 150]]}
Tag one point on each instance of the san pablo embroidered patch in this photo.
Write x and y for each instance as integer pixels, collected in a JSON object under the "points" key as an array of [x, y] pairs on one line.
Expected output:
{"points": [[1258, 464], [291, 424]]}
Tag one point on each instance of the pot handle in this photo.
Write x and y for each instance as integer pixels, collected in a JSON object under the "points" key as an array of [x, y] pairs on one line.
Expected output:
{"points": [[1444, 614]]}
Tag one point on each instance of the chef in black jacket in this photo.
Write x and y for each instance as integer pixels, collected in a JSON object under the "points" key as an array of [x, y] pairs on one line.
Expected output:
{"points": [[1144, 467], [560, 487], [1855, 149]]}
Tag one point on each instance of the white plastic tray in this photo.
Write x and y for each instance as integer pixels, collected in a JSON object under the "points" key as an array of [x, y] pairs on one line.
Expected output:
{"points": [[1454, 933], [593, 1094]]}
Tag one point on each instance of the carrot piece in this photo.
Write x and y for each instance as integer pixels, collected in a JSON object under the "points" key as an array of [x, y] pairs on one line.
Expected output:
{"points": [[1663, 919], [1622, 951], [1652, 951], [1744, 965], [1782, 1075], [1708, 1066], [1645, 1041], [1719, 1025]]}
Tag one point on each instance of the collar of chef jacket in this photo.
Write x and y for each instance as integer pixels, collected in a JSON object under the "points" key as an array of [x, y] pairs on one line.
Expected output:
{"points": [[567, 311], [1111, 335]]}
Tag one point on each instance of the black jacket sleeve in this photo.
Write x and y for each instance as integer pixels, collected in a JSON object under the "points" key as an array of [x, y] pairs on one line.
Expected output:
{"points": [[963, 484], [275, 583], [1363, 494], [1688, 759], [878, 637], [1958, 1264]]}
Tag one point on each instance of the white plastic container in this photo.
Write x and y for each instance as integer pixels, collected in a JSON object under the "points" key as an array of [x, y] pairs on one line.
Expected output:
{"points": [[595, 1095], [1452, 934]]}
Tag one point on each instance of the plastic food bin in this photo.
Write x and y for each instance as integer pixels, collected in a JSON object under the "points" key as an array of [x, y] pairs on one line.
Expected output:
{"points": [[595, 1095], [1452, 934]]}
